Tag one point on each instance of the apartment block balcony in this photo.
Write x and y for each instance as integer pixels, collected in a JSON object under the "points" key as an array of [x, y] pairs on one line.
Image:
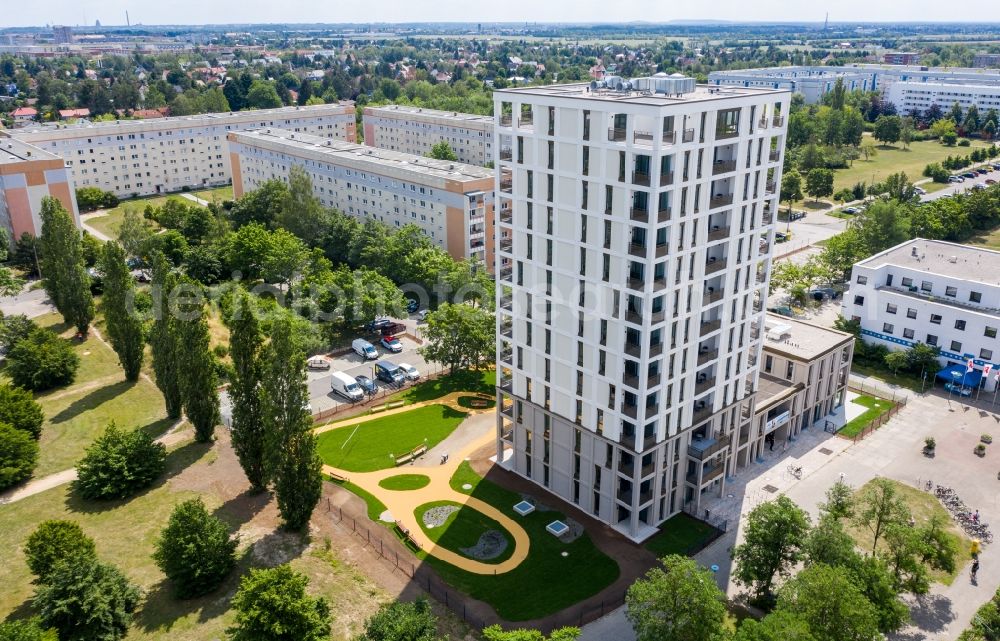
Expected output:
{"points": [[505, 120], [506, 217], [632, 316], [718, 233], [666, 178], [617, 134], [507, 330], [526, 121], [762, 123], [506, 302], [773, 156], [632, 411], [705, 448], [723, 166], [706, 384], [778, 121], [707, 327], [765, 248], [767, 218], [714, 265], [640, 178], [507, 184], [506, 273], [507, 407], [637, 249], [506, 244], [505, 355], [633, 349], [636, 283], [631, 380], [769, 187], [506, 154], [708, 474], [720, 201], [713, 296], [663, 215], [669, 137], [655, 349], [723, 134], [707, 356], [652, 380], [688, 135], [701, 414], [639, 214], [664, 249]]}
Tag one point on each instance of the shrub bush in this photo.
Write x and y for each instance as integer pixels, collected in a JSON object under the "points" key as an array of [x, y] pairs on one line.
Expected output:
{"points": [[42, 360], [19, 410], [195, 550], [275, 599], [53, 542], [13, 329], [18, 455], [26, 630], [119, 463], [86, 600]]}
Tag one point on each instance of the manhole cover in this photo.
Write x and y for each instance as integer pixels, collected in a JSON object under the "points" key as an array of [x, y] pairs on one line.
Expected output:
{"points": [[770, 488], [826, 451], [730, 496]]}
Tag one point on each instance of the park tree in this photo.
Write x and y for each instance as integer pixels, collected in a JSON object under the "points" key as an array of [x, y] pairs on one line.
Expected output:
{"points": [[830, 603], [896, 360], [196, 364], [880, 507], [884, 224], [274, 256], [14, 328], [903, 553], [246, 345], [496, 633], [293, 463], [262, 95], [301, 211], [26, 630], [459, 336], [123, 323], [163, 337], [939, 547], [871, 575], [442, 151], [119, 463], [868, 149], [773, 539], [262, 205], [898, 187], [839, 501], [888, 129], [971, 121], [195, 550], [18, 455], [955, 114], [679, 600], [87, 600], [64, 274], [819, 183], [776, 626], [54, 542], [852, 127], [402, 621], [830, 544], [19, 409], [272, 605], [791, 188], [944, 127], [41, 361]]}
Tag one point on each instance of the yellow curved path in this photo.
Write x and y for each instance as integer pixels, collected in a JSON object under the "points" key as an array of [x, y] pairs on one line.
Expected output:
{"points": [[403, 504], [449, 400]]}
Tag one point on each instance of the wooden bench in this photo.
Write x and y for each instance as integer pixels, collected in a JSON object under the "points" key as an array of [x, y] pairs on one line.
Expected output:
{"points": [[407, 537], [411, 455], [338, 478]]}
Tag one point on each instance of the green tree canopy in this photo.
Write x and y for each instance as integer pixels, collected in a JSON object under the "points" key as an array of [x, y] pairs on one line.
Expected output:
{"points": [[773, 539], [830, 603], [42, 361], [459, 336], [119, 463], [272, 605], [53, 542], [65, 277], [86, 600], [123, 322], [442, 151], [679, 600], [195, 550], [19, 409]]}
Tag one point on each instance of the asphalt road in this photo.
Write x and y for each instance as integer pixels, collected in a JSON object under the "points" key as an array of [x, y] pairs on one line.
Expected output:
{"points": [[31, 303]]}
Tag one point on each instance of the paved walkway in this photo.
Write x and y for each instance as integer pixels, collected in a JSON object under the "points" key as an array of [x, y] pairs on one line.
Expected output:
{"points": [[451, 400], [192, 197], [403, 504], [85, 218]]}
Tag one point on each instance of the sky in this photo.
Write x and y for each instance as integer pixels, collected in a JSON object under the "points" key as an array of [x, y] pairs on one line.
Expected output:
{"points": [[110, 12]]}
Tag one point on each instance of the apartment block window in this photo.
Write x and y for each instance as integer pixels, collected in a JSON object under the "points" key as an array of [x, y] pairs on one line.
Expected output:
{"points": [[951, 291], [520, 149], [862, 280], [859, 300], [606, 268], [926, 286], [552, 121], [887, 328], [586, 124], [911, 313], [907, 333], [890, 308], [790, 370], [931, 340], [975, 297], [768, 363], [531, 184], [907, 282], [609, 197], [991, 332], [956, 346], [586, 160], [552, 155], [550, 187], [960, 325], [986, 354], [935, 319]]}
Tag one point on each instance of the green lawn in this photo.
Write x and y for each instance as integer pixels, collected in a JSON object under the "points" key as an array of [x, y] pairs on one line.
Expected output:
{"points": [[679, 535], [404, 482], [903, 379], [219, 193], [546, 581], [369, 446], [990, 239], [876, 408], [462, 529], [483, 382], [109, 223], [890, 160], [922, 505]]}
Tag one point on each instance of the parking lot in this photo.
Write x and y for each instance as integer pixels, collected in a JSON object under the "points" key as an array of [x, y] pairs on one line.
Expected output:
{"points": [[962, 187], [322, 398]]}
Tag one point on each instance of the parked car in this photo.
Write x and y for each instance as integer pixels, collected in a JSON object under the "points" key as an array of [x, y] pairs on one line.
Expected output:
{"points": [[364, 349], [920, 191], [983, 170], [367, 384], [796, 215], [378, 324], [783, 310], [969, 174], [392, 329], [996, 166], [346, 386], [392, 344], [850, 210], [955, 179], [979, 187], [422, 315], [990, 181], [412, 305], [318, 363], [822, 293], [951, 388], [389, 373], [781, 237], [411, 372]]}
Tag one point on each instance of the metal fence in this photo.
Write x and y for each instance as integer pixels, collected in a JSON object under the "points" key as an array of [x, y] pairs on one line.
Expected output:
{"points": [[898, 402], [398, 554]]}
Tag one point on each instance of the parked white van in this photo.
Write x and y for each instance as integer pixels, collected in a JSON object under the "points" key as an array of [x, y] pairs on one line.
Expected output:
{"points": [[364, 349], [346, 386]]}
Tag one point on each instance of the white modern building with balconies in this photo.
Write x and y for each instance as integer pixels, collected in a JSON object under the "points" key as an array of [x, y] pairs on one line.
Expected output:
{"points": [[633, 255], [933, 292]]}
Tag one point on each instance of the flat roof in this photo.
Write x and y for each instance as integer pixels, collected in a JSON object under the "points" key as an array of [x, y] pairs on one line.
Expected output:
{"points": [[701, 93], [799, 339], [194, 119], [13, 150], [340, 150], [771, 390], [433, 113], [963, 262]]}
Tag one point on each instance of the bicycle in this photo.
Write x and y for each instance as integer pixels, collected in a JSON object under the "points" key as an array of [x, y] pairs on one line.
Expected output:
{"points": [[795, 470]]}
